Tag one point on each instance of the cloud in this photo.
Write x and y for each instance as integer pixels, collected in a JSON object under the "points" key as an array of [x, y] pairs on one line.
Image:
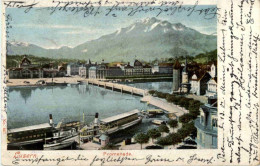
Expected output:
{"points": [[95, 31], [50, 26]]}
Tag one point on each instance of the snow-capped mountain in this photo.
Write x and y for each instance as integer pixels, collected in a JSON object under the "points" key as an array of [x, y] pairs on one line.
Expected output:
{"points": [[145, 39]]}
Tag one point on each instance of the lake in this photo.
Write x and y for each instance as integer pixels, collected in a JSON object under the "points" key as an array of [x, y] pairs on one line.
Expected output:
{"points": [[32, 105]]}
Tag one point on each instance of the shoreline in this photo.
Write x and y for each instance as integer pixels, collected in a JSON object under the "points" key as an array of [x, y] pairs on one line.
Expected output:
{"points": [[68, 80], [33, 81]]}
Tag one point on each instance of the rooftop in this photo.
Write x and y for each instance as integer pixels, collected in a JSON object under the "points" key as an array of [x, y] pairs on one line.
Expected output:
{"points": [[28, 128], [120, 116]]}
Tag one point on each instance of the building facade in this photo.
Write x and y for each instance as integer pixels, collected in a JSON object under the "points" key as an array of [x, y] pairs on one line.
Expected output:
{"points": [[73, 69], [137, 69], [199, 83], [92, 72], [212, 87], [207, 125], [165, 68], [185, 85], [25, 70], [83, 71]]}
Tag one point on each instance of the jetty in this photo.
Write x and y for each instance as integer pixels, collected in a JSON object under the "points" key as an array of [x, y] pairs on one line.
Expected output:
{"points": [[117, 87], [163, 104]]}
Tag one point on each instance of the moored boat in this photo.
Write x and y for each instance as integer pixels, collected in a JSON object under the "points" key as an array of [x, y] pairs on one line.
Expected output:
{"points": [[158, 122], [61, 143], [120, 122]]}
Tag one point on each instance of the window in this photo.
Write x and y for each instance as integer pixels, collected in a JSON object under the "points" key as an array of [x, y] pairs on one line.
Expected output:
{"points": [[214, 141], [214, 123], [202, 119]]}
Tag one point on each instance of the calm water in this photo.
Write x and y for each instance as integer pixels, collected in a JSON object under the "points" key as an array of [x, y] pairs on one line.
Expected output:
{"points": [[32, 105]]}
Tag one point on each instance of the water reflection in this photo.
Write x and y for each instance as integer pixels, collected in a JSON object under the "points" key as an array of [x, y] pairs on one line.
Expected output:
{"points": [[32, 105], [159, 86]]}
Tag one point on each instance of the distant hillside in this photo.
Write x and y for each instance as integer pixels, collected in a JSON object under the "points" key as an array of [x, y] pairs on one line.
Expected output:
{"points": [[145, 40]]}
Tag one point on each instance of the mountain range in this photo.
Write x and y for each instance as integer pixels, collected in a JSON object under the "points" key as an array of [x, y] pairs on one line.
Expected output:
{"points": [[145, 40]]}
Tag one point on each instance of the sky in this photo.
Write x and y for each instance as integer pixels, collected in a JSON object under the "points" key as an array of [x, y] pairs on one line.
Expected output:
{"points": [[47, 30]]}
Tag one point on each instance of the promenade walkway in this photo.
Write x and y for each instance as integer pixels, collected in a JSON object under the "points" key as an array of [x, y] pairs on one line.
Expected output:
{"points": [[163, 104]]}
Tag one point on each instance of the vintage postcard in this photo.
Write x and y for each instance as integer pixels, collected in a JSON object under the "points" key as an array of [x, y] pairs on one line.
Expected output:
{"points": [[105, 82]]}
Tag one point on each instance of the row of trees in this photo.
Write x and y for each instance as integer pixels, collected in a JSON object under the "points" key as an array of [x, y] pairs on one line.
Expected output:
{"points": [[171, 139], [188, 127], [153, 133], [190, 104], [14, 60], [178, 137]]}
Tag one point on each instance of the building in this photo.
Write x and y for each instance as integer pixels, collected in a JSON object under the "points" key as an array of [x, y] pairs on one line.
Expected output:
{"points": [[199, 82], [104, 139], [155, 68], [73, 69], [83, 71], [165, 68], [207, 125], [128, 70], [176, 76], [115, 71], [138, 68], [92, 72], [147, 70], [25, 70], [185, 85], [213, 69], [102, 71], [50, 72], [212, 87]]}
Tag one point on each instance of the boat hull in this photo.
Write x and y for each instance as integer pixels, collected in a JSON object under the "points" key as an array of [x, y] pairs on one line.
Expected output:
{"points": [[125, 126]]}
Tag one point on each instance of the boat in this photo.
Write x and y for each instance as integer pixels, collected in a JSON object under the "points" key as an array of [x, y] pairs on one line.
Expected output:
{"points": [[155, 111], [158, 122], [120, 122], [62, 142]]}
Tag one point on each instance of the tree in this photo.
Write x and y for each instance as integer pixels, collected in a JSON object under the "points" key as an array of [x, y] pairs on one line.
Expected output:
{"points": [[173, 123], [175, 138], [141, 138], [160, 94], [170, 98], [163, 141], [186, 118], [153, 133], [163, 128], [151, 92]]}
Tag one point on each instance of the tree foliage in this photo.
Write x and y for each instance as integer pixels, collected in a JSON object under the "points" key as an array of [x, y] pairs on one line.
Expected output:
{"points": [[153, 133], [173, 123], [186, 118], [141, 138], [163, 128], [163, 141]]}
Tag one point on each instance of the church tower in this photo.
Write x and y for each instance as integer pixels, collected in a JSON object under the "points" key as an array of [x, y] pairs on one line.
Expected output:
{"points": [[185, 73], [185, 85], [176, 76]]}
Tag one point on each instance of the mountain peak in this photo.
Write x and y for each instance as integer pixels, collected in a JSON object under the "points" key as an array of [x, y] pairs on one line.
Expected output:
{"points": [[150, 20], [21, 44]]}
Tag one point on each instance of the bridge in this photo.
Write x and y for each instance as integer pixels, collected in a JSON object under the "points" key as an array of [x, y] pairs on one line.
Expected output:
{"points": [[118, 87], [160, 103]]}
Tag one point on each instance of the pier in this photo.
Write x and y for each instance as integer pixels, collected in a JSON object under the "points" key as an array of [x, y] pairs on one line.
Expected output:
{"points": [[117, 87], [169, 107]]}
